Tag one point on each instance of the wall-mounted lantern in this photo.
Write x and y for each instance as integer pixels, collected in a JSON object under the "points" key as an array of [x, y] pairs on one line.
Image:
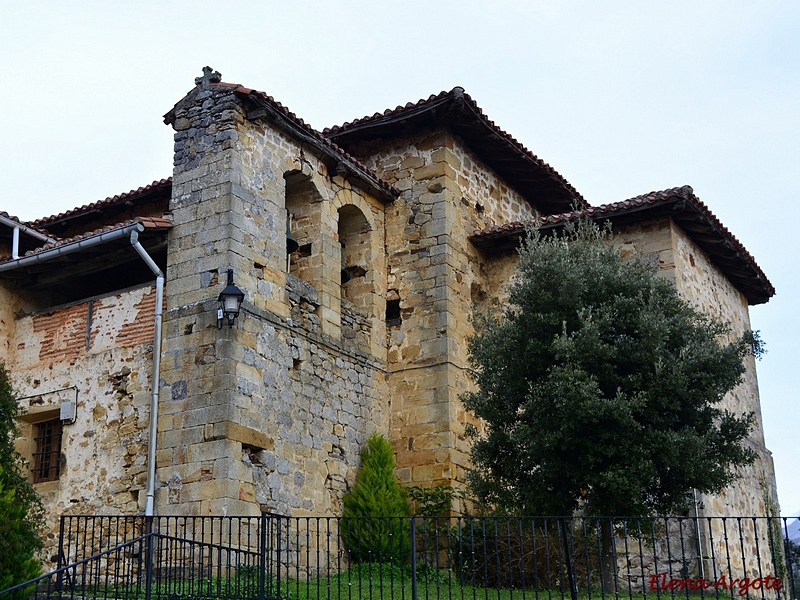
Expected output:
{"points": [[230, 301]]}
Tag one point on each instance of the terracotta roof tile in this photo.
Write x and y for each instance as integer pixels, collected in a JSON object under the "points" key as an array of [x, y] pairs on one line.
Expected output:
{"points": [[389, 112], [458, 94], [43, 222], [29, 225], [148, 222], [727, 252]]}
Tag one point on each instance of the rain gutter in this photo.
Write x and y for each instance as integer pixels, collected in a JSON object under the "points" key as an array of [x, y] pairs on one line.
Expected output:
{"points": [[24, 229], [70, 247]]}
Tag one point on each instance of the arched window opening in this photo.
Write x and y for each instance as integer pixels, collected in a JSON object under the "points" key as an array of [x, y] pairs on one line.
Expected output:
{"points": [[354, 237], [357, 276], [303, 203]]}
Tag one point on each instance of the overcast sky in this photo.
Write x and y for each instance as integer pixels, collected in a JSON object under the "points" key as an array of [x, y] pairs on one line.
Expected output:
{"points": [[620, 97]]}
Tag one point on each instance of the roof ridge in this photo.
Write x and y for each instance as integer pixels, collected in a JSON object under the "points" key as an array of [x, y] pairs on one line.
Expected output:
{"points": [[389, 111]]}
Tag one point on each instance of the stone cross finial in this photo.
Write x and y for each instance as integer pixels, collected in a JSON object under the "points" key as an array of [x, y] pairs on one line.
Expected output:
{"points": [[209, 76]]}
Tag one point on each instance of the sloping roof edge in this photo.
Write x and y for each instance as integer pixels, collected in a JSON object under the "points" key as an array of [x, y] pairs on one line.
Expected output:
{"points": [[282, 117], [680, 204], [14, 222], [160, 184], [540, 183], [79, 242], [264, 106]]}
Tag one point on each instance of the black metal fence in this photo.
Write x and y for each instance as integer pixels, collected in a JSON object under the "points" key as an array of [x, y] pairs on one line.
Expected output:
{"points": [[317, 558]]}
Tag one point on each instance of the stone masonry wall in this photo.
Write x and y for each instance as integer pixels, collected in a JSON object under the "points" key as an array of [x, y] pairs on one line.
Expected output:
{"points": [[99, 354], [702, 283], [446, 194], [755, 493], [272, 412]]}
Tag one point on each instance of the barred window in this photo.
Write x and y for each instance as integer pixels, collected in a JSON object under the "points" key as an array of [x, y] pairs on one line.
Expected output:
{"points": [[47, 456]]}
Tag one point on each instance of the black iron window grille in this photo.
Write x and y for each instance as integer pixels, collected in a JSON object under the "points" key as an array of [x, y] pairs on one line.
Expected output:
{"points": [[47, 456]]}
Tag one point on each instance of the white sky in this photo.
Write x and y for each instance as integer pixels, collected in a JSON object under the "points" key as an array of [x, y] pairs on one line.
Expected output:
{"points": [[620, 97]]}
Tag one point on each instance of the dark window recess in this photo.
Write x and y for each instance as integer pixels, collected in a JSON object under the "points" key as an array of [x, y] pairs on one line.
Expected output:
{"points": [[393, 312], [47, 457], [303, 251]]}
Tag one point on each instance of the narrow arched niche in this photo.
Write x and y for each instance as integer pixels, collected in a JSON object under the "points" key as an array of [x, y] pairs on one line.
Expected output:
{"points": [[357, 293], [303, 207], [354, 236]]}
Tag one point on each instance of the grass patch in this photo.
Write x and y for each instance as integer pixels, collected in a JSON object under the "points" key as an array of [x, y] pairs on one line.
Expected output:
{"points": [[366, 581]]}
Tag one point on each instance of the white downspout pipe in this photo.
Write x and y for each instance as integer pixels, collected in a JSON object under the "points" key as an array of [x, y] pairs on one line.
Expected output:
{"points": [[151, 444], [15, 244]]}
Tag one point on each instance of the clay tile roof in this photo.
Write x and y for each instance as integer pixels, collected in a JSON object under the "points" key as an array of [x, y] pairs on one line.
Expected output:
{"points": [[355, 167], [45, 221], [680, 204], [29, 225], [151, 223], [547, 189], [155, 222], [335, 129]]}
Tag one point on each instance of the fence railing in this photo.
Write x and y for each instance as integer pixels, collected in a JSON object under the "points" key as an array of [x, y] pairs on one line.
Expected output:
{"points": [[325, 558]]}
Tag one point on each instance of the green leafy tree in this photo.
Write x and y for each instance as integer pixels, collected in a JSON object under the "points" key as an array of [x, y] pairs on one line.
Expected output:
{"points": [[374, 528], [600, 387], [20, 506]]}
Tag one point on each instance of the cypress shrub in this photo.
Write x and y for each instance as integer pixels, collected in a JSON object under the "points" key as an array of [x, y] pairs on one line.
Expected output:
{"points": [[375, 525]]}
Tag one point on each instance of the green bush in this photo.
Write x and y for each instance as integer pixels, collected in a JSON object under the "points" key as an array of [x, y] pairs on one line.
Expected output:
{"points": [[20, 507], [375, 524]]}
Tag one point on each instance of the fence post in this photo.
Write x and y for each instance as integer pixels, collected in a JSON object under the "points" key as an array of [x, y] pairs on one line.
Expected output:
{"points": [[61, 561], [262, 559], [573, 587], [413, 531], [148, 565], [278, 556]]}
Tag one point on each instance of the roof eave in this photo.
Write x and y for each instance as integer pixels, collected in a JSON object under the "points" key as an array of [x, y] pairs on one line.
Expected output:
{"points": [[70, 247], [683, 207], [138, 194], [335, 159], [457, 111]]}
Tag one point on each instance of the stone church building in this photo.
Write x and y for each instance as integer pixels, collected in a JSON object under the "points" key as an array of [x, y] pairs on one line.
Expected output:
{"points": [[139, 397]]}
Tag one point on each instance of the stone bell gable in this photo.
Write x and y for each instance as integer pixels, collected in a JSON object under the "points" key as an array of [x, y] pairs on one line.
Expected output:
{"points": [[360, 251], [270, 413]]}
